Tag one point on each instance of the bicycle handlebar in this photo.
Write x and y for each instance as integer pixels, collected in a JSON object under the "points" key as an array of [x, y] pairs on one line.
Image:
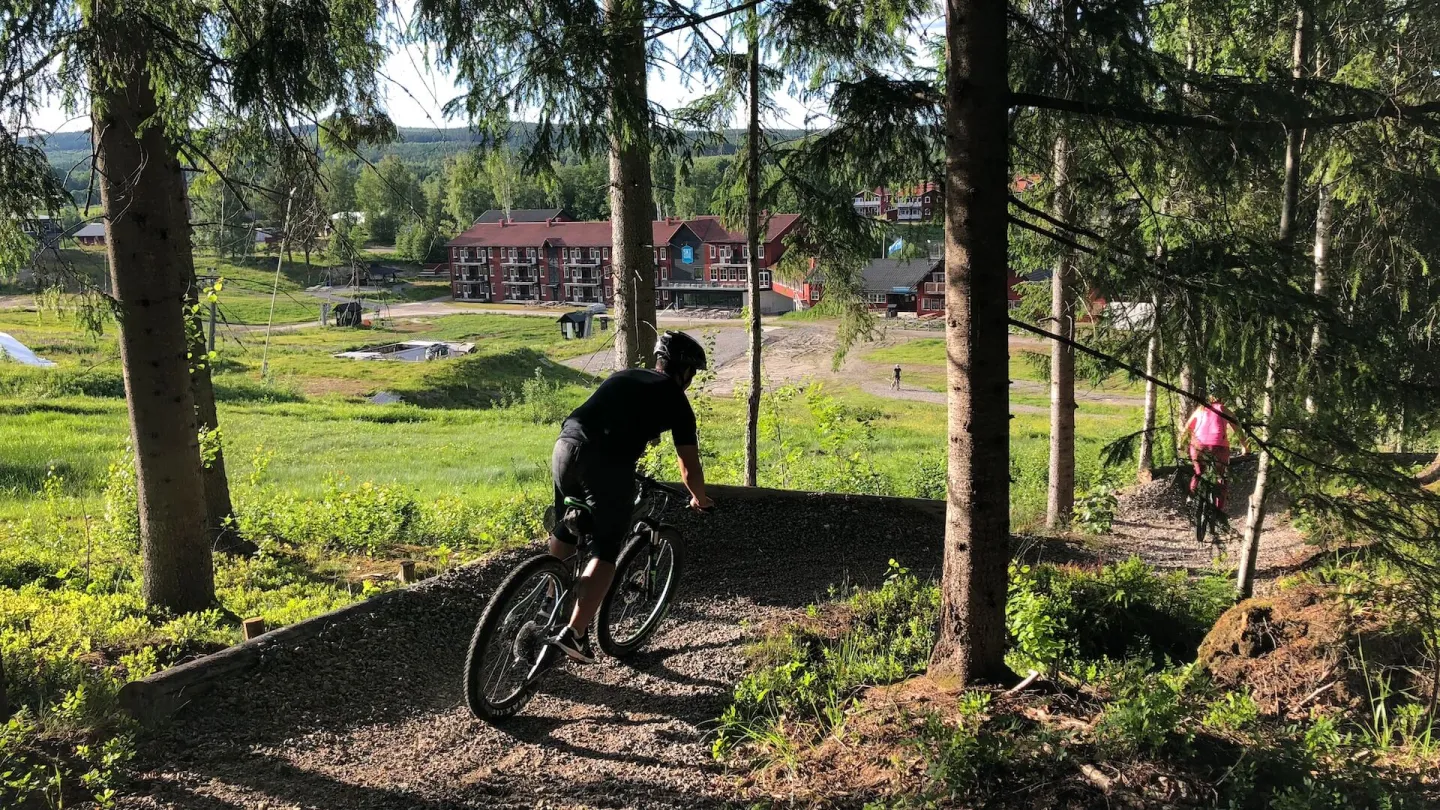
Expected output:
{"points": [[646, 482]]}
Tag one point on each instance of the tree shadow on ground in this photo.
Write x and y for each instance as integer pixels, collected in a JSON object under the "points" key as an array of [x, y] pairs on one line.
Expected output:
{"points": [[487, 380]]}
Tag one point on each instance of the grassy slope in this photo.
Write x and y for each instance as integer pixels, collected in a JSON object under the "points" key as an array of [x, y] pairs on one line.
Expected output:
{"points": [[312, 416]]}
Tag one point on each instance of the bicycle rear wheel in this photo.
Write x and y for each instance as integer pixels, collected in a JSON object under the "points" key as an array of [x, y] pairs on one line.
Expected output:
{"points": [[512, 631], [1202, 512], [646, 576]]}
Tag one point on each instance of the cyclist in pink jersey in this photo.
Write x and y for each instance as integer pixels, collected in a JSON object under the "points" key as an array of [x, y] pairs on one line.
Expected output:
{"points": [[1208, 433]]}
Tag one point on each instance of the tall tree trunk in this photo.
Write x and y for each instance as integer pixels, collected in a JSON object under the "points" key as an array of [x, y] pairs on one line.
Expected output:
{"points": [[752, 238], [1322, 287], [1060, 494], [1147, 432], [971, 640], [632, 200], [1255, 513], [147, 233]]}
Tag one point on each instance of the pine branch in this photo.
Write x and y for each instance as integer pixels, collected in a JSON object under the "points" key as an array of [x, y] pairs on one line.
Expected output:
{"points": [[1389, 110], [696, 21]]}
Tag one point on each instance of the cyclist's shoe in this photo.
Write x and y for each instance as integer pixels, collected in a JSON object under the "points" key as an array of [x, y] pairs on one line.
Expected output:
{"points": [[578, 648]]}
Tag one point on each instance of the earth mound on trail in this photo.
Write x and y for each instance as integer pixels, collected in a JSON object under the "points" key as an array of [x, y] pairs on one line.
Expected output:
{"points": [[1306, 648]]}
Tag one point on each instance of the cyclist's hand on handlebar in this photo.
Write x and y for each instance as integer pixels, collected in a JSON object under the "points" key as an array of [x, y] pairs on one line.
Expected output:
{"points": [[699, 505]]}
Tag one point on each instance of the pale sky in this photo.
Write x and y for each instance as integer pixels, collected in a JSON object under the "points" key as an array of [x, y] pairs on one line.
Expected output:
{"points": [[416, 91]]}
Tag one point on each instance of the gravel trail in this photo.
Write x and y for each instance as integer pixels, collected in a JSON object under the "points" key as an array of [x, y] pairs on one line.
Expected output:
{"points": [[370, 715]]}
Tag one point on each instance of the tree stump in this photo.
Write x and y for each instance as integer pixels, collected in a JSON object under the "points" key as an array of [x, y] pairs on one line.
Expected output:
{"points": [[407, 572], [253, 628]]}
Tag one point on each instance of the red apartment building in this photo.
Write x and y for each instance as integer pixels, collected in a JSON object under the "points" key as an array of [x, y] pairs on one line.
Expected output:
{"points": [[909, 204], [699, 263]]}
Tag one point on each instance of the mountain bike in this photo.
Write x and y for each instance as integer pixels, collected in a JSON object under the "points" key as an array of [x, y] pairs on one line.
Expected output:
{"points": [[1209, 498], [537, 598]]}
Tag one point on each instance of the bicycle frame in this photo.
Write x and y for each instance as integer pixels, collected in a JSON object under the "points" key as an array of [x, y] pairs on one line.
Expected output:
{"points": [[644, 523]]}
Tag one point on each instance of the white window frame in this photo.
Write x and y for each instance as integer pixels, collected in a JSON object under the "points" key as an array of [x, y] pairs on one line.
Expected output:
{"points": [[712, 251], [664, 253], [529, 253], [606, 253], [762, 251]]}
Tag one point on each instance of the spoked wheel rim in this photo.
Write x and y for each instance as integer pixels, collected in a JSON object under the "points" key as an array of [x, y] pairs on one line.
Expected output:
{"points": [[524, 625], [641, 592]]}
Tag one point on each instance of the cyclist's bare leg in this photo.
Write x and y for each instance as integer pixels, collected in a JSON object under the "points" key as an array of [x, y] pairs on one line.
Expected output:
{"points": [[593, 585]]}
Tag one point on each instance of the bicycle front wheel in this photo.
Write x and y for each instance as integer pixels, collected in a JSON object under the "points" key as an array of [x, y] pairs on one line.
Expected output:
{"points": [[510, 635], [646, 576]]}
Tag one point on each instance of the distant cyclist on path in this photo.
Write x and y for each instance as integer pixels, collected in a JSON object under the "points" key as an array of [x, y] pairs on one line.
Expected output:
{"points": [[1208, 433], [594, 462]]}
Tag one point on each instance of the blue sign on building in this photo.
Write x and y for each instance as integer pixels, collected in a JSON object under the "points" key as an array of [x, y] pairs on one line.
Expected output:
{"points": [[687, 254]]}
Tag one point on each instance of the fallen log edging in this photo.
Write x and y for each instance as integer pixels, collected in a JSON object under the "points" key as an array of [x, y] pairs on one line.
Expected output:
{"points": [[151, 700]]}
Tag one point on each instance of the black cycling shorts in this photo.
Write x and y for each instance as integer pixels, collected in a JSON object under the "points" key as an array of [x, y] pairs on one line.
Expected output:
{"points": [[586, 474]]}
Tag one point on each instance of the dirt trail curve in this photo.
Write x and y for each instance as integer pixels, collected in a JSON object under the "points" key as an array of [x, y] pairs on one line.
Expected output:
{"points": [[369, 715]]}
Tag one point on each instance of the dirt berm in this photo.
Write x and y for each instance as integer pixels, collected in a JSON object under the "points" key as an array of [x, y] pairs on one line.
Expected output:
{"points": [[368, 713], [1307, 649]]}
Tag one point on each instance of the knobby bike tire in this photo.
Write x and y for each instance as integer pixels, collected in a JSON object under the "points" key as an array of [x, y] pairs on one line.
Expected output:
{"points": [[485, 630], [1202, 515], [637, 546]]}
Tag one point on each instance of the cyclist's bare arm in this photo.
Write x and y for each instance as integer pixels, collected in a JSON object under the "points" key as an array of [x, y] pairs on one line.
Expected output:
{"points": [[1189, 429], [693, 475]]}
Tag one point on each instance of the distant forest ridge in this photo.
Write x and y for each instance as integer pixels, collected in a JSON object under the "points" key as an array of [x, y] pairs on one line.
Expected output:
{"points": [[424, 148]]}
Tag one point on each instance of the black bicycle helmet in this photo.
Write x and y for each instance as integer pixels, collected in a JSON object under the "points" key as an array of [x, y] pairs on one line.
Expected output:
{"points": [[682, 351]]}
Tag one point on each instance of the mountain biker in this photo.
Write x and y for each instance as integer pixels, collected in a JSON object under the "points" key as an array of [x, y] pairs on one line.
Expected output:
{"points": [[1208, 433], [594, 462]]}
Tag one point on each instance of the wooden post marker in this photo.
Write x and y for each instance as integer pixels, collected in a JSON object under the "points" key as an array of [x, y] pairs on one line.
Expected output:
{"points": [[407, 572], [253, 627]]}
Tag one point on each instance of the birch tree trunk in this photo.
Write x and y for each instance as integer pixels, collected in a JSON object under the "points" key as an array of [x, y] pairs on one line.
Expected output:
{"points": [[1322, 286], [970, 644], [1060, 492], [1146, 462], [1255, 513], [147, 232]]}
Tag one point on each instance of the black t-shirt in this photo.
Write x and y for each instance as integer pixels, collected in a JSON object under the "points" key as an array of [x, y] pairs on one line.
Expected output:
{"points": [[629, 410]]}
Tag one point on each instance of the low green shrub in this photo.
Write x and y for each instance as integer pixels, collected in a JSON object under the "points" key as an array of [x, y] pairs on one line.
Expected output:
{"points": [[810, 678], [1061, 615], [1095, 510]]}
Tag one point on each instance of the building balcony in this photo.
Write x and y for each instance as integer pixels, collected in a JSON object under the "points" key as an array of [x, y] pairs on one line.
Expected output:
{"points": [[582, 262], [516, 278], [518, 262], [584, 281]]}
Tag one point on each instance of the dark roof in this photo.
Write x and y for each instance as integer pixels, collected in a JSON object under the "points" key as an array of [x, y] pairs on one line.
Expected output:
{"points": [[522, 215], [882, 275], [709, 229], [92, 229]]}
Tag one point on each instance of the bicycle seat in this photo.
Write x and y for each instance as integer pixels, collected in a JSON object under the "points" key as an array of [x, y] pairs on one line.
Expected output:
{"points": [[578, 518]]}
